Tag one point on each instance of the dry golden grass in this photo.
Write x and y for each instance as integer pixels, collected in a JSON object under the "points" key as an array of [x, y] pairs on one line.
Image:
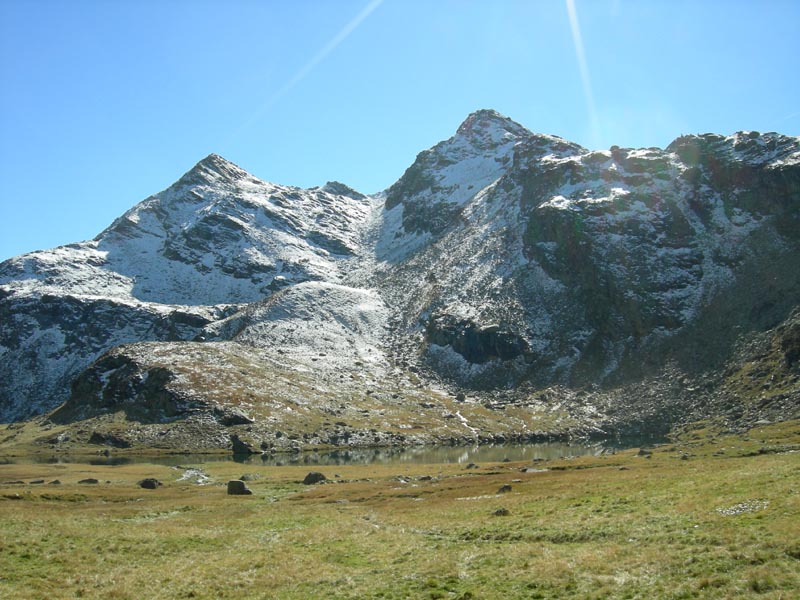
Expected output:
{"points": [[722, 523]]}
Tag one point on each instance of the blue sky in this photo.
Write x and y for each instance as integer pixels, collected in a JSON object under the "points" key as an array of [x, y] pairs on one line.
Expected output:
{"points": [[105, 103]]}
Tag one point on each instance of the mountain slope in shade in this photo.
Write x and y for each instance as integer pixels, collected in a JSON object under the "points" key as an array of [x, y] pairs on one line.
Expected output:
{"points": [[509, 284]]}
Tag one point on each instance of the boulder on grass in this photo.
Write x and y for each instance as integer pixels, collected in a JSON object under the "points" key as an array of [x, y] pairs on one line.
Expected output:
{"points": [[314, 477], [150, 483], [237, 487]]}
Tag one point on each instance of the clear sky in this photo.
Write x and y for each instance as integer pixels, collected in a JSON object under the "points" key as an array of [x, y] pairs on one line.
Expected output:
{"points": [[103, 103]]}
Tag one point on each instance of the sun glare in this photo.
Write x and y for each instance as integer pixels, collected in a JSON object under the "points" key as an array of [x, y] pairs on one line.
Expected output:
{"points": [[303, 72], [580, 54]]}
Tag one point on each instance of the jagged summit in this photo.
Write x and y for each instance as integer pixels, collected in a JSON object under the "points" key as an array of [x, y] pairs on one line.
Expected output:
{"points": [[212, 168], [454, 170], [501, 260], [340, 189], [436, 190], [751, 147], [488, 122], [486, 130], [214, 160]]}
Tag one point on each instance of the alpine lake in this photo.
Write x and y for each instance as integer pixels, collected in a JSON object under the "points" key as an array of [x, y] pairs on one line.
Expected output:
{"points": [[706, 514], [399, 455]]}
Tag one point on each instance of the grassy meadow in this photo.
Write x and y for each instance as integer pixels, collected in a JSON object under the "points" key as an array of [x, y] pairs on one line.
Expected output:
{"points": [[708, 516]]}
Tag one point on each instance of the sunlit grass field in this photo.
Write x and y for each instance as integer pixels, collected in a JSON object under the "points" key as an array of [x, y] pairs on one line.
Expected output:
{"points": [[709, 516]]}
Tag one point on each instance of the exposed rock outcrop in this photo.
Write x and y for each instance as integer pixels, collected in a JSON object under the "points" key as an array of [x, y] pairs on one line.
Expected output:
{"points": [[601, 291]]}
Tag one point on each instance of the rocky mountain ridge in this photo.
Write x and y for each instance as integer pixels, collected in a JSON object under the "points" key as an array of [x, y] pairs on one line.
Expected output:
{"points": [[509, 284]]}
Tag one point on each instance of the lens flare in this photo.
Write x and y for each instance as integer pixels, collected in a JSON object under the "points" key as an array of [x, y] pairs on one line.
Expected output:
{"points": [[577, 40], [303, 72]]}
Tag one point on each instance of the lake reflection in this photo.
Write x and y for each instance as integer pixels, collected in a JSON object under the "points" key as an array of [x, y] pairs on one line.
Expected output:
{"points": [[449, 454], [395, 455]]}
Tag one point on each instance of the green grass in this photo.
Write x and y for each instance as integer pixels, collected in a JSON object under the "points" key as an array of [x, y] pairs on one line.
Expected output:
{"points": [[722, 523]]}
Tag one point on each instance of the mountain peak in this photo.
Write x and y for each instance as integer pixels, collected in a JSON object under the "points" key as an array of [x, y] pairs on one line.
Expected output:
{"points": [[213, 159], [340, 189], [212, 168], [484, 121]]}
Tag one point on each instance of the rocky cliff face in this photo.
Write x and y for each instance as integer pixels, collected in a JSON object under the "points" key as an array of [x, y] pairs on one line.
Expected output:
{"points": [[581, 267], [501, 264]]}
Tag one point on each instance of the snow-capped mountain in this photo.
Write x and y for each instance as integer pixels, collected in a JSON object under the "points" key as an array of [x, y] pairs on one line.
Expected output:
{"points": [[570, 266], [216, 239], [505, 268]]}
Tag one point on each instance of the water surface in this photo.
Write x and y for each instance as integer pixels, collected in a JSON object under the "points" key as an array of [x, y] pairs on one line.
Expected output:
{"points": [[386, 456]]}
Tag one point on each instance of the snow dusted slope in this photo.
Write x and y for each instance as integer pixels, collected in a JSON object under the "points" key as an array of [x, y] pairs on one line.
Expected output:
{"points": [[314, 326], [219, 235], [432, 194], [564, 265], [177, 261], [501, 264]]}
